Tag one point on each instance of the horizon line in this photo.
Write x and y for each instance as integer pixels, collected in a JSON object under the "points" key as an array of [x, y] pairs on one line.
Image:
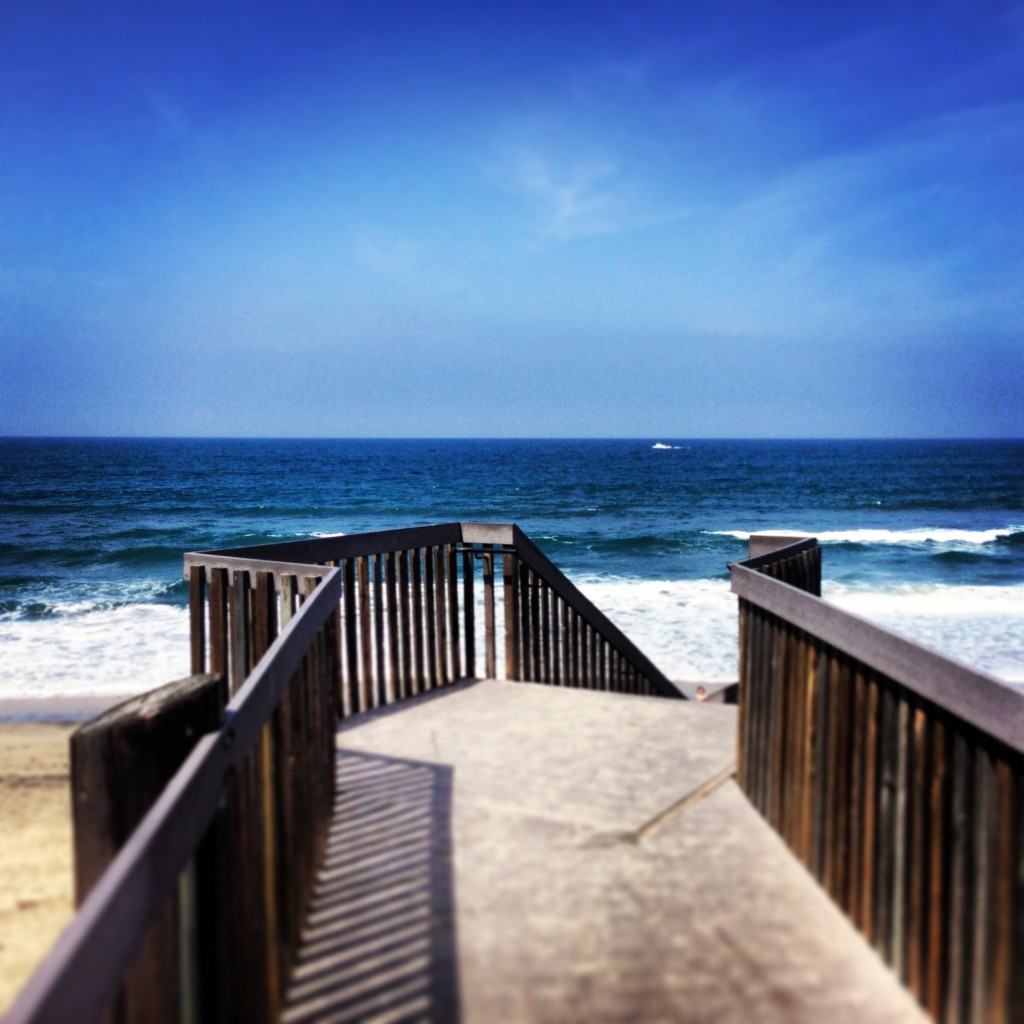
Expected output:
{"points": [[656, 438]]}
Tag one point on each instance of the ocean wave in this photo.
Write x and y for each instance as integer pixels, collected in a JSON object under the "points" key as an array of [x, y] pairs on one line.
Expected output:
{"points": [[124, 650], [687, 627], [918, 535], [69, 599]]}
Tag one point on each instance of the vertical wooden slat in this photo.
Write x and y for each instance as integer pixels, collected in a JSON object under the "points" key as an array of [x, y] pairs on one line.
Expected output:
{"points": [[379, 615], [404, 687], [1016, 993], [265, 617], [917, 850], [742, 710], [197, 617], [756, 702], [511, 580], [454, 639], [545, 631], [240, 630], [288, 588], [536, 671], [1001, 965], [565, 642], [959, 880], [218, 601], [870, 816], [574, 646], [983, 836], [855, 790], [592, 644], [419, 625], [490, 634], [775, 726], [367, 677], [885, 827], [469, 611], [431, 681], [525, 642], [554, 623], [789, 801], [932, 996], [897, 947], [355, 689], [441, 592], [809, 752], [841, 793], [393, 640]]}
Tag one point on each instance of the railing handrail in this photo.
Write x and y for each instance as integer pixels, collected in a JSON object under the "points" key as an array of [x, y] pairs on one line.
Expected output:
{"points": [[82, 972], [570, 593], [779, 554], [988, 703], [304, 557], [301, 554]]}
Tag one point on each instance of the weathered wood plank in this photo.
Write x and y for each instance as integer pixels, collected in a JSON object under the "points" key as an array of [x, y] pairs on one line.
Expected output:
{"points": [[197, 618], [986, 702], [490, 630], [406, 625], [120, 763], [469, 611], [511, 600], [393, 638], [454, 618]]}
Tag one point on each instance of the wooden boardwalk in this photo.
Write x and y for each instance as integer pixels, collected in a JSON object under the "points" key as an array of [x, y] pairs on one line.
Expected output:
{"points": [[510, 852]]}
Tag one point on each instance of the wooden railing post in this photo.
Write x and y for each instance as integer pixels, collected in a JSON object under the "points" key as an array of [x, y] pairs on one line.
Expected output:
{"points": [[490, 636], [120, 763], [511, 578], [469, 611], [197, 617]]}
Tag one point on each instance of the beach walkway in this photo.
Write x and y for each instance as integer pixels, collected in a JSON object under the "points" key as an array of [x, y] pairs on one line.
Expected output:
{"points": [[518, 852]]}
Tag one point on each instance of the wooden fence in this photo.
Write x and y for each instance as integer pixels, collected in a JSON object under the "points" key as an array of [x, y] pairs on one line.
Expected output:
{"points": [[895, 775], [304, 633], [233, 842], [416, 604]]}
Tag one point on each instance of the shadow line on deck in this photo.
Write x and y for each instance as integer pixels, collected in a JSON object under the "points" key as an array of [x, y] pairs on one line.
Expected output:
{"points": [[380, 941]]}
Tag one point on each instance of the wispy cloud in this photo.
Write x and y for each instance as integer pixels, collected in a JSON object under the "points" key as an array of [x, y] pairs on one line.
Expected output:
{"points": [[580, 196], [913, 231]]}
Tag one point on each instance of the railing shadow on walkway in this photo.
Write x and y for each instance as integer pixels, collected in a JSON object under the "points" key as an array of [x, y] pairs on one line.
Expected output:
{"points": [[380, 940]]}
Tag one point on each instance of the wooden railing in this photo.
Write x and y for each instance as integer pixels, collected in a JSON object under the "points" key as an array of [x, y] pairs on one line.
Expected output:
{"points": [[411, 606], [305, 633], [235, 839], [895, 775]]}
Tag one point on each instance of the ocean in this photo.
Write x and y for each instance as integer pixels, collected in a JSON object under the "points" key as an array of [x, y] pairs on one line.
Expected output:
{"points": [[924, 537]]}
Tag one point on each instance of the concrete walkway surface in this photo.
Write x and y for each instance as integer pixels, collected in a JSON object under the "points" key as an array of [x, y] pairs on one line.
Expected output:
{"points": [[515, 852]]}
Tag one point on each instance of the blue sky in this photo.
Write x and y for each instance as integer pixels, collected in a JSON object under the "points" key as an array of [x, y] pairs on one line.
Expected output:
{"points": [[492, 219]]}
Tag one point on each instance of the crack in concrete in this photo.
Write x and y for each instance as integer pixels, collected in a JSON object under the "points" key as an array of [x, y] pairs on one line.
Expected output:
{"points": [[682, 805]]}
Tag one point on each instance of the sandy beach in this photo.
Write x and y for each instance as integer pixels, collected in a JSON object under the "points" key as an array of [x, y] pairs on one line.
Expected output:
{"points": [[35, 846], [37, 897]]}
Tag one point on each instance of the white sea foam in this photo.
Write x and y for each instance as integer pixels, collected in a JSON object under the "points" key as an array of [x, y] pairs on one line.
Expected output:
{"points": [[125, 650], [980, 626], [687, 627], [918, 535]]}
